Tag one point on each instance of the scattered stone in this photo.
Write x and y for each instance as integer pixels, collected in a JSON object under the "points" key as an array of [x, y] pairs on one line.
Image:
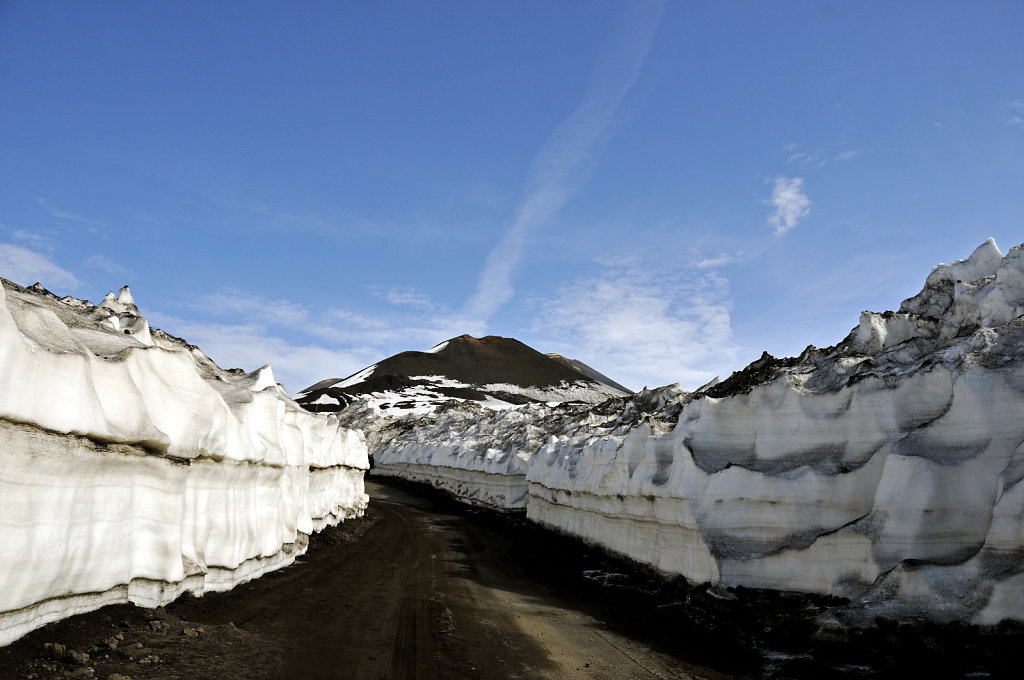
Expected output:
{"points": [[190, 632], [77, 658], [112, 642], [119, 676], [54, 651], [59, 652], [831, 630], [158, 626], [150, 659]]}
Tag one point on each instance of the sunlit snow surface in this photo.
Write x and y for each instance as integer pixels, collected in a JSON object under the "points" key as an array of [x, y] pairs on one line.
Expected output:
{"points": [[431, 393], [421, 400], [886, 470], [437, 348], [132, 468]]}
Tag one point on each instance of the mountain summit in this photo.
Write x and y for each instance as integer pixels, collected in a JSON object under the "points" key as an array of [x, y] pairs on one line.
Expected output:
{"points": [[495, 371]]}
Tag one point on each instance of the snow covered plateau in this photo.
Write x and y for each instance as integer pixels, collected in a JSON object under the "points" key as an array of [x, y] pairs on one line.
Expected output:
{"points": [[886, 470], [133, 469]]}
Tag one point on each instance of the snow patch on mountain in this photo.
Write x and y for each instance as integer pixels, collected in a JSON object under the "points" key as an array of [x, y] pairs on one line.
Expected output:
{"points": [[580, 391], [358, 377], [492, 371]]}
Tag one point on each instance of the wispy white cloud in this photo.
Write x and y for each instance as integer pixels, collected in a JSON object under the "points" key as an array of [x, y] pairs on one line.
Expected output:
{"points": [[724, 259], [643, 327], [244, 215], [60, 213], [406, 297], [414, 321], [334, 344], [565, 158], [817, 158], [32, 239], [794, 154], [249, 346], [237, 303], [26, 267], [353, 319], [390, 335], [240, 329], [790, 202], [805, 158], [108, 266], [1017, 118], [719, 260]]}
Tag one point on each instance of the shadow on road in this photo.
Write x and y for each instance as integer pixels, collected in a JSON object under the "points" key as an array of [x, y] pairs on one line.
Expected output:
{"points": [[426, 587], [741, 632]]}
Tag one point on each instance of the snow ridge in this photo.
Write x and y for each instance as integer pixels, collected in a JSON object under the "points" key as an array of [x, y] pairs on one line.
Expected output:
{"points": [[133, 468], [885, 470]]}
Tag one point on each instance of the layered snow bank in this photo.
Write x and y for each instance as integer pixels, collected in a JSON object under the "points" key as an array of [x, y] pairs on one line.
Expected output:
{"points": [[481, 455], [133, 469], [886, 470], [478, 454]]}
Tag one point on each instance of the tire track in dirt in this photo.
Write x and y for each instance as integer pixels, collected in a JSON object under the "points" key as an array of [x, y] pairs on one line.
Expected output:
{"points": [[422, 588]]}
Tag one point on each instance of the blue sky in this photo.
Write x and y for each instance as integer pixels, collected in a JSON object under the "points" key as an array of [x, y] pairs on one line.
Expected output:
{"points": [[660, 190]]}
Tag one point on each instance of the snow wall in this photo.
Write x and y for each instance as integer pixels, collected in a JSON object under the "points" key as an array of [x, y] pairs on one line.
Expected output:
{"points": [[886, 470], [133, 469], [477, 454]]}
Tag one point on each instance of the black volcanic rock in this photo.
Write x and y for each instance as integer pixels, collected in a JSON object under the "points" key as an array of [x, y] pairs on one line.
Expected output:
{"points": [[471, 362], [482, 361]]}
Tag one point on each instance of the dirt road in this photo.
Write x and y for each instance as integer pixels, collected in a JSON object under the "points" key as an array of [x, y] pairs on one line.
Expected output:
{"points": [[424, 587], [433, 593], [421, 588]]}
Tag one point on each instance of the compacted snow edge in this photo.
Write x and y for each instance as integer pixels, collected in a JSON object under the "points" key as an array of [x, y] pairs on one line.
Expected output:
{"points": [[885, 470], [133, 469]]}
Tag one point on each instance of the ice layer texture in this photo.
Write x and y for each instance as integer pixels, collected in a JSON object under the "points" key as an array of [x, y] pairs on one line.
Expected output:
{"points": [[133, 469], [886, 470]]}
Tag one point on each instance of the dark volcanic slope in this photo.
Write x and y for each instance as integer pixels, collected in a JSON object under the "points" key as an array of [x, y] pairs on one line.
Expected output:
{"points": [[474, 362], [591, 373], [481, 361]]}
